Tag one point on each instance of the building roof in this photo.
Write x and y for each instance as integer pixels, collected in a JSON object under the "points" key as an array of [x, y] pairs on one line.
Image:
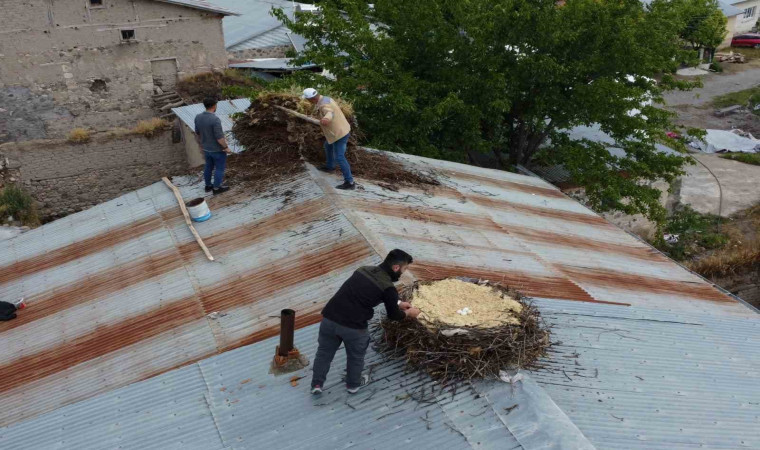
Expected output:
{"points": [[255, 27], [728, 8], [271, 65], [725, 6], [203, 5], [132, 338]]}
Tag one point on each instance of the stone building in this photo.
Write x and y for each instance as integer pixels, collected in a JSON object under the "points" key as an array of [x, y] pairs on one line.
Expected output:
{"points": [[97, 63]]}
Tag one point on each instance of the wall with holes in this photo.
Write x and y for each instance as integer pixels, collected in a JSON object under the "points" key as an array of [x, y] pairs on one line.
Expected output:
{"points": [[75, 64], [65, 177]]}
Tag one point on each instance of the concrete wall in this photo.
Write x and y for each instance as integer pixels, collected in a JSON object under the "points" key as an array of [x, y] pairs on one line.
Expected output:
{"points": [[193, 153], [730, 31], [264, 52], [65, 178], [63, 64], [744, 25]]}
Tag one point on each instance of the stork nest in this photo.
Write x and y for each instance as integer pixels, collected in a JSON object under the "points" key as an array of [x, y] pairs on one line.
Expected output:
{"points": [[452, 354], [277, 144]]}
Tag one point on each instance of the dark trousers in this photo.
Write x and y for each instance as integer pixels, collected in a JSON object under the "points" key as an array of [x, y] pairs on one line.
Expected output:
{"points": [[331, 335], [215, 163]]}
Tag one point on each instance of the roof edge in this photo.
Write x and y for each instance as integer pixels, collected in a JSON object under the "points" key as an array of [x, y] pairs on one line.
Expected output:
{"points": [[201, 5]]}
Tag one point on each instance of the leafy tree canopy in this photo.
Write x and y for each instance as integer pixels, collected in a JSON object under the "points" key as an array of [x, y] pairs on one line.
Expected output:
{"points": [[442, 78]]}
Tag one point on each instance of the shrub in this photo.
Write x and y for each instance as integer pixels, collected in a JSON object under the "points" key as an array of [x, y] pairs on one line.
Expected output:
{"points": [[78, 135], [150, 128], [696, 233], [15, 202], [716, 67]]}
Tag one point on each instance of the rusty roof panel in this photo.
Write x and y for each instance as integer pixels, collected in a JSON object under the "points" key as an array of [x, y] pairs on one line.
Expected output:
{"points": [[121, 292], [132, 287]]}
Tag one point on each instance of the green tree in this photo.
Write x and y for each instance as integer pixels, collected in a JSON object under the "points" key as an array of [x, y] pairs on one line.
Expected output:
{"points": [[445, 77], [704, 25]]}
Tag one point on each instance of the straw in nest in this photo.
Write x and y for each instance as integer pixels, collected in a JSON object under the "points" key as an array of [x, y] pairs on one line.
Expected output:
{"points": [[454, 354]]}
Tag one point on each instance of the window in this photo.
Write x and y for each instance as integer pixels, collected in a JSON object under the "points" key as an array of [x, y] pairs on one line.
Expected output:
{"points": [[127, 35], [750, 12], [96, 2]]}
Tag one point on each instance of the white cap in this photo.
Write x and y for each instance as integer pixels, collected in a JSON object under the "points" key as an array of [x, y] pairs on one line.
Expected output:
{"points": [[309, 93]]}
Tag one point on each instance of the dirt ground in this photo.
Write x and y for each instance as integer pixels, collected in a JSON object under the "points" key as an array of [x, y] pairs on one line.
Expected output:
{"points": [[694, 107]]}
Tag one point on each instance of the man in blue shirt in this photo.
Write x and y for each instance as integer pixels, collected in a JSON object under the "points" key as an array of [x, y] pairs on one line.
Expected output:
{"points": [[209, 134]]}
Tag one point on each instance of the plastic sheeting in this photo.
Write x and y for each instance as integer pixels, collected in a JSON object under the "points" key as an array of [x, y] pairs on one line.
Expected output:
{"points": [[717, 141], [532, 416]]}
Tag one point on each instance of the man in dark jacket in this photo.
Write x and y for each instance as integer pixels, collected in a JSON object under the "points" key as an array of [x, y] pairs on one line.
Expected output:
{"points": [[345, 317], [209, 135]]}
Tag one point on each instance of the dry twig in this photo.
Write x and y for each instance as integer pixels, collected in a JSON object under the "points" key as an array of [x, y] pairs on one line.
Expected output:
{"points": [[460, 357]]}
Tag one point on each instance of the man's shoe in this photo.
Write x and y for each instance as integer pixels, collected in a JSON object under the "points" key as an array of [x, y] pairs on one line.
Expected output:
{"points": [[316, 390], [326, 169], [346, 186], [209, 188], [221, 189], [364, 382]]}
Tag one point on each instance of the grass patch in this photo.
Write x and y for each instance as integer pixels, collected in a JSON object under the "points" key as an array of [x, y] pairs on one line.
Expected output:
{"points": [[747, 158], [742, 251], [727, 261], [78, 135], [15, 202], [152, 127], [750, 53], [736, 98], [696, 232]]}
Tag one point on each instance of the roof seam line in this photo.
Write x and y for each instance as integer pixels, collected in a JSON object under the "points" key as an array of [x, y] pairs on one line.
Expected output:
{"points": [[206, 396], [375, 243]]}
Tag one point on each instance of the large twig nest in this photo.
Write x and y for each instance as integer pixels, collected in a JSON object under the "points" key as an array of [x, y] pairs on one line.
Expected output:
{"points": [[468, 329]]}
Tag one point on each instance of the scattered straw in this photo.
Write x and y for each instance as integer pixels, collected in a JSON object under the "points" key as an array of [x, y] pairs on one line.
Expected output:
{"points": [[78, 135], [152, 127], [445, 302], [456, 353]]}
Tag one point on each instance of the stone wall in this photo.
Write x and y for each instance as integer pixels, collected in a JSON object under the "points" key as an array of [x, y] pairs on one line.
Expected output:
{"points": [[65, 178], [264, 52], [66, 64]]}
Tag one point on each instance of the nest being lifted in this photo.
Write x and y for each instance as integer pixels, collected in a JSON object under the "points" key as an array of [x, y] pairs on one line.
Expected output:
{"points": [[277, 144], [468, 329]]}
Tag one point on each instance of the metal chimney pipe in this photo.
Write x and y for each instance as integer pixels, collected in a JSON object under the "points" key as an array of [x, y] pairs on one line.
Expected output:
{"points": [[287, 328]]}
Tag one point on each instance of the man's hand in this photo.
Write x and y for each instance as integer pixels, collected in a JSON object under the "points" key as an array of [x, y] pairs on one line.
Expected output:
{"points": [[404, 306], [227, 150], [325, 121], [412, 312]]}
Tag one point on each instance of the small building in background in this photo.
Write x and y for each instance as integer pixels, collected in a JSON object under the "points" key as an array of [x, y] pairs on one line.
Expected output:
{"points": [[255, 33], [97, 64]]}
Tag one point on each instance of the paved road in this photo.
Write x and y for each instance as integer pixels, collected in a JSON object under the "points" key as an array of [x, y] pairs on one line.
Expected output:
{"points": [[715, 85], [738, 182]]}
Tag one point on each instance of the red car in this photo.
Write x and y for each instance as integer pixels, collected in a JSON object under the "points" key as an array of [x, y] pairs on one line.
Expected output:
{"points": [[746, 40]]}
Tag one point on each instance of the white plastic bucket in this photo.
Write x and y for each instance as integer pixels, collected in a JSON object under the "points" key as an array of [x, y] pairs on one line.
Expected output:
{"points": [[198, 210]]}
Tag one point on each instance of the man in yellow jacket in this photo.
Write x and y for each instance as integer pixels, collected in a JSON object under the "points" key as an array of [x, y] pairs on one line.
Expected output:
{"points": [[336, 130]]}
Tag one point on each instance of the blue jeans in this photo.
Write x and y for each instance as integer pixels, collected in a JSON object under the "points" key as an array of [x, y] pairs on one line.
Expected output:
{"points": [[215, 162], [331, 335], [336, 152]]}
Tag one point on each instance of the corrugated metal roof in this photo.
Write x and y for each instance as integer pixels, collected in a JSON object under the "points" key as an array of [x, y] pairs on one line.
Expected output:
{"points": [[271, 64], [254, 20], [121, 293], [268, 38], [224, 109], [203, 5]]}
